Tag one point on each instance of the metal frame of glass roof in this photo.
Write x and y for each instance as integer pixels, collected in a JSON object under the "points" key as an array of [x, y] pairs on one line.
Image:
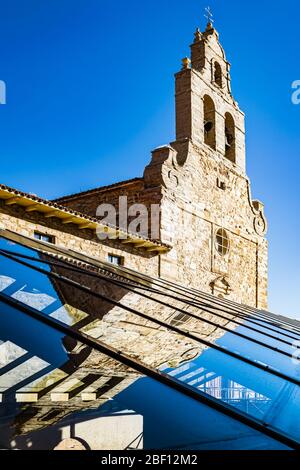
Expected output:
{"points": [[224, 305], [135, 282], [164, 324], [151, 372], [133, 288], [187, 293]]}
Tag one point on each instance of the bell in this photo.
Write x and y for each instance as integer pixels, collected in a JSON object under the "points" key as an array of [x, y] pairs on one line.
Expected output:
{"points": [[208, 125], [227, 143], [228, 139]]}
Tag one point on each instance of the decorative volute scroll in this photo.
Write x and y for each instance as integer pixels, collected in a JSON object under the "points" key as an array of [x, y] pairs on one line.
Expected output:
{"points": [[260, 221], [163, 168], [188, 355]]}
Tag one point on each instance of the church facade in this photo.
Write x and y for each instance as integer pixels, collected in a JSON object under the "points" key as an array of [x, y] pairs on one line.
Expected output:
{"points": [[211, 233]]}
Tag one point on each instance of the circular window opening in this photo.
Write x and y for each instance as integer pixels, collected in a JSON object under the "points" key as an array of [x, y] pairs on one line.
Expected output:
{"points": [[222, 242]]}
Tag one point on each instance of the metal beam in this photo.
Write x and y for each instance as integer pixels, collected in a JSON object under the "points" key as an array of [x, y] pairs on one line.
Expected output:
{"points": [[157, 375]]}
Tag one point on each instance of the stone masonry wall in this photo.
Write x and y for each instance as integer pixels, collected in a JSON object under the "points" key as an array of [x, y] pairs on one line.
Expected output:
{"points": [[194, 207], [70, 236], [136, 191]]}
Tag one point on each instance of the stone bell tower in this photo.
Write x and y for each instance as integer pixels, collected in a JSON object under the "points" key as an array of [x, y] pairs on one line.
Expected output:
{"points": [[206, 78], [216, 229]]}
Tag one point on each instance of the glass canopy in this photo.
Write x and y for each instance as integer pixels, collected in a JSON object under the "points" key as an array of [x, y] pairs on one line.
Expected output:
{"points": [[118, 360]]}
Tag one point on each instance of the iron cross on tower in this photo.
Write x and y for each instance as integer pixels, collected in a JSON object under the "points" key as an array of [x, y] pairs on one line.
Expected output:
{"points": [[209, 16]]}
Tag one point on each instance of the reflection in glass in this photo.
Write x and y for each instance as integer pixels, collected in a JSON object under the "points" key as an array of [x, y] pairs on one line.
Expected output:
{"points": [[49, 381]]}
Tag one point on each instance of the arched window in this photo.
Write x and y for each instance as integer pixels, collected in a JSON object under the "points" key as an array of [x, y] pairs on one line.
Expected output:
{"points": [[209, 122], [218, 74], [229, 137]]}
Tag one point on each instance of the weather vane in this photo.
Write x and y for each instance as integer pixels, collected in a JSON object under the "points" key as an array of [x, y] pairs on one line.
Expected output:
{"points": [[209, 15]]}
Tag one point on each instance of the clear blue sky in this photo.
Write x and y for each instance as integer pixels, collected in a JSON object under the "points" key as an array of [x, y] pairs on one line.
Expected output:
{"points": [[90, 93]]}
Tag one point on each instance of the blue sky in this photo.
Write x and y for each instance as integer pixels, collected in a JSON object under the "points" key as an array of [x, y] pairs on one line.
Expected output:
{"points": [[90, 93]]}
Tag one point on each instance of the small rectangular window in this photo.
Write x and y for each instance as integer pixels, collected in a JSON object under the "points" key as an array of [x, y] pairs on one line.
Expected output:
{"points": [[221, 184], [118, 260], [44, 237], [180, 318]]}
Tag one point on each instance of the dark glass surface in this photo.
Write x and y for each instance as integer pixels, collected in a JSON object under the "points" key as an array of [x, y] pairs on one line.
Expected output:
{"points": [[242, 386], [53, 388]]}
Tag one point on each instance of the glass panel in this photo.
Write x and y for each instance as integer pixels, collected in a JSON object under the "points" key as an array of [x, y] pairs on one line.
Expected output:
{"points": [[56, 391], [123, 325], [266, 323], [262, 319]]}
